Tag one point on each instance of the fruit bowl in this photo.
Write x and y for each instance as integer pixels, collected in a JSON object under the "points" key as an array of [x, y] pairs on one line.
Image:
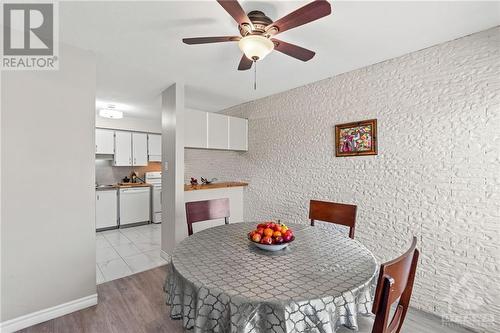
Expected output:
{"points": [[271, 236], [272, 247]]}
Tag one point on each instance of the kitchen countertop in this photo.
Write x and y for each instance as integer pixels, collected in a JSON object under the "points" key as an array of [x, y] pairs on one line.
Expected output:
{"points": [[188, 187], [121, 185]]}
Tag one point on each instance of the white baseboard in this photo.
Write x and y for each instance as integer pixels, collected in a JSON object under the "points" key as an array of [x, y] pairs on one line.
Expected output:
{"points": [[37, 317], [165, 255]]}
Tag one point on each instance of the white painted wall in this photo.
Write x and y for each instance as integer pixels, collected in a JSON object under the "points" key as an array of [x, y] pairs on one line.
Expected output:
{"points": [[130, 124], [173, 227], [436, 175], [48, 208]]}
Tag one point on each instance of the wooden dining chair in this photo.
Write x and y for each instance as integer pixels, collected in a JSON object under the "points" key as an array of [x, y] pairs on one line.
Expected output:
{"points": [[334, 213], [197, 211], [395, 282]]}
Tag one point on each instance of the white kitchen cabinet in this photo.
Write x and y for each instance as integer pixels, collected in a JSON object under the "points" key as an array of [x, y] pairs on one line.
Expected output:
{"points": [[123, 148], [104, 141], [238, 133], [106, 211], [195, 129], [154, 147], [139, 149], [217, 131]]}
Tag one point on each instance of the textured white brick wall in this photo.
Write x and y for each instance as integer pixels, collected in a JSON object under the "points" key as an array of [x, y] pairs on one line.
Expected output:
{"points": [[437, 175]]}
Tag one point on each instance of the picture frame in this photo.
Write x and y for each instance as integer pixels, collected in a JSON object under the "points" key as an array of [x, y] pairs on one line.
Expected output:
{"points": [[356, 138]]}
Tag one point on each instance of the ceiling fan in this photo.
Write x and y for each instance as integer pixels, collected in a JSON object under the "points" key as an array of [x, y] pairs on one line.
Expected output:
{"points": [[257, 31]]}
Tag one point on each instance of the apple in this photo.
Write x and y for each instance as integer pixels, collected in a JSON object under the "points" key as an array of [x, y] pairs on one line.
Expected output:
{"points": [[278, 240], [260, 231], [277, 227], [261, 225], [287, 237], [266, 240], [276, 234], [289, 232], [256, 237]]}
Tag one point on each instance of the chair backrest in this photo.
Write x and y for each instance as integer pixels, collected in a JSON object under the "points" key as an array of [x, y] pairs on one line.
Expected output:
{"points": [[334, 213], [395, 282], [197, 211]]}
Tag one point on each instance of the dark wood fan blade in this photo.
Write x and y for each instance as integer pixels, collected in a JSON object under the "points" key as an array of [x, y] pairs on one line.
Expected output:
{"points": [[234, 9], [205, 40], [293, 50], [308, 13], [245, 64]]}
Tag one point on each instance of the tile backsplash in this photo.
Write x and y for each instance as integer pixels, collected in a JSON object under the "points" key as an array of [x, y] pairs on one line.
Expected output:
{"points": [[106, 173]]}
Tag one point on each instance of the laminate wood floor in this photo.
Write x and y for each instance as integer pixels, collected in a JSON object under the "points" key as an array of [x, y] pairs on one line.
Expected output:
{"points": [[136, 304]]}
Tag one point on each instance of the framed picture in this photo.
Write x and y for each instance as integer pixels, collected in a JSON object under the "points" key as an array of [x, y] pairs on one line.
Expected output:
{"points": [[356, 139]]}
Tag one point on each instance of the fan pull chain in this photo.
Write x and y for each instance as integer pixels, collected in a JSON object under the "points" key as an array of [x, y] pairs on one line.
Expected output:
{"points": [[255, 76]]}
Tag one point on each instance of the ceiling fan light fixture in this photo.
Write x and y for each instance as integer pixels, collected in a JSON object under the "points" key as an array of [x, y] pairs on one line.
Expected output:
{"points": [[256, 47]]}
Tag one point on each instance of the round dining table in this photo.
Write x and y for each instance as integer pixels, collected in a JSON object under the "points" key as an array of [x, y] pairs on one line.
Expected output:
{"points": [[218, 281]]}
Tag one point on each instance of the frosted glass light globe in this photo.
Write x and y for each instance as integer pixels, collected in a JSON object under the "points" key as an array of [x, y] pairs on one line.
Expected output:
{"points": [[256, 47]]}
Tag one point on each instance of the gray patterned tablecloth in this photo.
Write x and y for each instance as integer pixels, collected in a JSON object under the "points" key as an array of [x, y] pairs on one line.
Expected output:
{"points": [[219, 282]]}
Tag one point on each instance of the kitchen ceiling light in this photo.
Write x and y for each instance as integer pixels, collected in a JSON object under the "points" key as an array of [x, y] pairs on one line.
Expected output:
{"points": [[112, 114], [256, 47]]}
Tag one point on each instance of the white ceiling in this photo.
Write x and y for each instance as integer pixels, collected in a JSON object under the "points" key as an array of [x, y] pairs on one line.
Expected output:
{"points": [[140, 53]]}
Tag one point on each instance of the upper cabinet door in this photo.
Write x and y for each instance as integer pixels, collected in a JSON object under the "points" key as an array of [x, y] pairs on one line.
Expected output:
{"points": [[238, 134], [195, 129], [140, 149], [104, 141], [218, 131], [123, 148], [154, 147]]}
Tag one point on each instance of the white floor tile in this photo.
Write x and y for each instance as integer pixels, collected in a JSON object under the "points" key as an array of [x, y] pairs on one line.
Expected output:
{"points": [[147, 245], [150, 232], [117, 238], [126, 250], [149, 238], [128, 231], [102, 242], [106, 254], [155, 256], [114, 269], [140, 262], [135, 236], [98, 275]]}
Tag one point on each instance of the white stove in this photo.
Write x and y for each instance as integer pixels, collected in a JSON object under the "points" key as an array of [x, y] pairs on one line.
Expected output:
{"points": [[154, 178]]}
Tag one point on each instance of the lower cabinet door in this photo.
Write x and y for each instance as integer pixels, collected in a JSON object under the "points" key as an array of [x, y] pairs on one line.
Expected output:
{"points": [[106, 212]]}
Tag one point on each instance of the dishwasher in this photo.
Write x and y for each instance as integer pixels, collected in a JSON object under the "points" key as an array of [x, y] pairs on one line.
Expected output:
{"points": [[134, 206]]}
